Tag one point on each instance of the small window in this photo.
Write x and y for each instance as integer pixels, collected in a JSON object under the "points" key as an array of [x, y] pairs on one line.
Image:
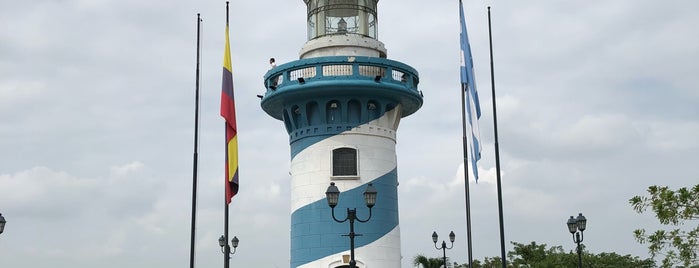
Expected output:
{"points": [[345, 162]]}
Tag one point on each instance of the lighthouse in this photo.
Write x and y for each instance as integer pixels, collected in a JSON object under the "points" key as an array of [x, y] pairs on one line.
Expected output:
{"points": [[341, 103]]}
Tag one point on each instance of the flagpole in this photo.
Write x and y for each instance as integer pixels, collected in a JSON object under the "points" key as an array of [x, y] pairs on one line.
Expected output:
{"points": [[196, 147], [497, 147], [227, 248], [466, 188], [467, 82]]}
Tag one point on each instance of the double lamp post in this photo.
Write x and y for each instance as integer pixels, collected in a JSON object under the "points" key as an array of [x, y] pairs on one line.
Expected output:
{"points": [[333, 195], [444, 247], [225, 248], [576, 226]]}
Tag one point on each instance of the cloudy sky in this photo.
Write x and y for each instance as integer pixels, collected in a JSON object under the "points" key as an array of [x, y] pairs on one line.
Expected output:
{"points": [[597, 100]]}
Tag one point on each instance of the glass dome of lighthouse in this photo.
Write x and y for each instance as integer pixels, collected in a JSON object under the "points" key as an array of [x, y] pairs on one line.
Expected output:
{"points": [[326, 17], [342, 28]]}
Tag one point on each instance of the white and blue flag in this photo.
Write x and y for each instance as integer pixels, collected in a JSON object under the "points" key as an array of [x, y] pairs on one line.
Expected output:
{"points": [[473, 108]]}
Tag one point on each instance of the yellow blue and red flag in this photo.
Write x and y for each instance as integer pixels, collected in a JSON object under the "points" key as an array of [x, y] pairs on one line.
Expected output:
{"points": [[228, 113]]}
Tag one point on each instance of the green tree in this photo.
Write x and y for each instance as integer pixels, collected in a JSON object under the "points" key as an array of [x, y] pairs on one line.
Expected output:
{"points": [[492, 262], [673, 208], [425, 262], [613, 260], [533, 255], [487, 262], [541, 256]]}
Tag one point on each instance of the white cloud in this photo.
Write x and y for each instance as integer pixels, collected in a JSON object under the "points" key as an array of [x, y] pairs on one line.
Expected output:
{"points": [[599, 133], [41, 191], [672, 136], [126, 168], [16, 91]]}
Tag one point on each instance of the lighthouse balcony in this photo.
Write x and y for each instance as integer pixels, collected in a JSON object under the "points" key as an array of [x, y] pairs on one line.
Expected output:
{"points": [[325, 79]]}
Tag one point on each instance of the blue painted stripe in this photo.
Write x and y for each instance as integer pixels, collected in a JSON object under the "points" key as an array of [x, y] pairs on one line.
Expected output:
{"points": [[315, 235]]}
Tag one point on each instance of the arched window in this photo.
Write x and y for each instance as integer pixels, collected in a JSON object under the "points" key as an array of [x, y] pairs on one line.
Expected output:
{"points": [[332, 113], [296, 115], [373, 110], [345, 162], [312, 113], [354, 111]]}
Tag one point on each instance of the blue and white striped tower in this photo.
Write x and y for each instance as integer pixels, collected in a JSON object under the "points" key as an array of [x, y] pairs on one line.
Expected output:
{"points": [[341, 104]]}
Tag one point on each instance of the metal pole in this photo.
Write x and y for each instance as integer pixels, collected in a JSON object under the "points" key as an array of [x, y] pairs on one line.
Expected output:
{"points": [[226, 248], [196, 143], [497, 148], [466, 182], [351, 214], [444, 253], [578, 240]]}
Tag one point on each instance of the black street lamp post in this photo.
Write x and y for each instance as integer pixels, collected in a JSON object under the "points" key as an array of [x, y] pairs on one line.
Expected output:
{"points": [[576, 226], [225, 248], [333, 195], [2, 223], [444, 245]]}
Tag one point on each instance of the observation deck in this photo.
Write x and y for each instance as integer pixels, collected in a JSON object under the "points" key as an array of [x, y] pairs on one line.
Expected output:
{"points": [[361, 88]]}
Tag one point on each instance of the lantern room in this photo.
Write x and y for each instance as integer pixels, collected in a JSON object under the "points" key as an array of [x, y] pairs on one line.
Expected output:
{"points": [[326, 17], [342, 27]]}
